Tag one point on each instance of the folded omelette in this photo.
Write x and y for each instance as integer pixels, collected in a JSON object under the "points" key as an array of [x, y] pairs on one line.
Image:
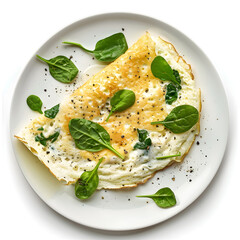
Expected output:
{"points": [[91, 101]]}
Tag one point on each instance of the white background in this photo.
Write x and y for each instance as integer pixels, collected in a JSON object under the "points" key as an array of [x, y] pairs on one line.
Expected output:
{"points": [[212, 25]]}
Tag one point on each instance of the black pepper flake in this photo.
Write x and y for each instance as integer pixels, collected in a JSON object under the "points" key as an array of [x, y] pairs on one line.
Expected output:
{"points": [[45, 90], [122, 136], [125, 151], [198, 142], [123, 29], [46, 69], [47, 152]]}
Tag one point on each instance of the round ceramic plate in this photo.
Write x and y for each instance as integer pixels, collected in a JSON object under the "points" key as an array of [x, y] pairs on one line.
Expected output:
{"points": [[120, 209]]}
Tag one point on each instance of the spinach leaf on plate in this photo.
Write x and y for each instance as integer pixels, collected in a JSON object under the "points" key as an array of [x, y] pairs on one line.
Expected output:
{"points": [[144, 142], [87, 184], [164, 198], [180, 119], [43, 140], [121, 100], [52, 112], [90, 136], [61, 68], [173, 89], [35, 103], [107, 49], [162, 70]]}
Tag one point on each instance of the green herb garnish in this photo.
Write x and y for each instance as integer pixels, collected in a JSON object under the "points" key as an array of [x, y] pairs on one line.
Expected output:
{"points": [[121, 100], [162, 70], [169, 156], [87, 184], [35, 103], [107, 49], [180, 119], [172, 89], [144, 142], [90, 136], [164, 198], [43, 140], [52, 112], [61, 68]]}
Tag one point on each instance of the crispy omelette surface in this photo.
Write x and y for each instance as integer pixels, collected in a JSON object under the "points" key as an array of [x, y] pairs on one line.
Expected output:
{"points": [[91, 101]]}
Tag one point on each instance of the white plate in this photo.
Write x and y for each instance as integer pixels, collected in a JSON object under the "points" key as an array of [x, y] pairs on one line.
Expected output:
{"points": [[121, 210]]}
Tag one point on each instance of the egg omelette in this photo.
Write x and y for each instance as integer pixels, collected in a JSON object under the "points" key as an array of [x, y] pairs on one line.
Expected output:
{"points": [[91, 101]]}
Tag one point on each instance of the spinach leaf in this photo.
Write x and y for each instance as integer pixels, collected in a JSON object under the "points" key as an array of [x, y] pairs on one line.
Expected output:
{"points": [[164, 198], [40, 129], [52, 112], [87, 184], [162, 70], [144, 142], [142, 134], [171, 94], [35, 103], [90, 136], [169, 156], [43, 140], [61, 68], [180, 119], [177, 76], [121, 100], [107, 49], [172, 89]]}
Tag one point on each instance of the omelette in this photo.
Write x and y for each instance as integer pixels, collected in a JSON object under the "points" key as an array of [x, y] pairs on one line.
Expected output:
{"points": [[91, 101]]}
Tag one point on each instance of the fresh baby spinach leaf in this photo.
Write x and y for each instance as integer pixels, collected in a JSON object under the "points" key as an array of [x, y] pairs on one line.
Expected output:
{"points": [[169, 156], [61, 68], [87, 184], [162, 70], [180, 119], [177, 76], [171, 94], [121, 100], [43, 140], [52, 112], [107, 49], [172, 89], [144, 142], [35, 103], [164, 198], [90, 136]]}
